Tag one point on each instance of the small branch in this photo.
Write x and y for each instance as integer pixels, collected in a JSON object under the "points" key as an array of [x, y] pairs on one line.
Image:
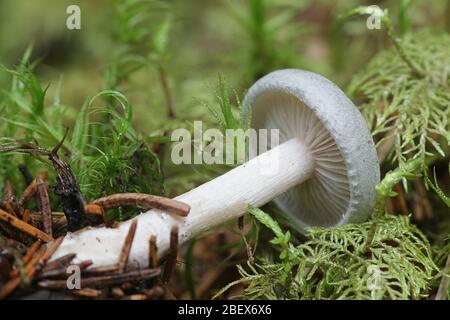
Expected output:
{"points": [[172, 256], [45, 206], [31, 189], [59, 263], [52, 247], [61, 271], [145, 201], [28, 177], [106, 280], [101, 270], [153, 253], [24, 227], [125, 252], [58, 218]]}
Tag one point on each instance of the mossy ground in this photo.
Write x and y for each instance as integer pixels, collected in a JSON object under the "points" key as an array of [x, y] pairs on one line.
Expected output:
{"points": [[139, 69]]}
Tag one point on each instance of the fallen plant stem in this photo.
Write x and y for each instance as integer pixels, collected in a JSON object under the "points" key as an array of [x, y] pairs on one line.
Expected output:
{"points": [[45, 206], [102, 270], [31, 189], [59, 263], [145, 201], [125, 252], [153, 252], [106, 280], [61, 271], [172, 255], [24, 227], [28, 178], [52, 247]]}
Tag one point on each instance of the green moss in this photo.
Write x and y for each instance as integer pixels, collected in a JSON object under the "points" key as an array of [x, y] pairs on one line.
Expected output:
{"points": [[404, 94], [410, 110], [335, 263], [105, 152]]}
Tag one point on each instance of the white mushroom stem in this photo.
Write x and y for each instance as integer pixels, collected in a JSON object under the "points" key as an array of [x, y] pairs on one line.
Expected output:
{"points": [[227, 197]]}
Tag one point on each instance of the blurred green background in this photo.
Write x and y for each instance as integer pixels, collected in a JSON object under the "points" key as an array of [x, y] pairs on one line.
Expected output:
{"points": [[207, 37], [192, 42]]}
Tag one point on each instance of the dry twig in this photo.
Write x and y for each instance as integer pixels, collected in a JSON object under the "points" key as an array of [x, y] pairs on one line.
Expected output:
{"points": [[145, 201], [152, 253], [172, 256], [59, 263], [125, 252], [31, 190], [24, 227], [45, 206], [105, 280]]}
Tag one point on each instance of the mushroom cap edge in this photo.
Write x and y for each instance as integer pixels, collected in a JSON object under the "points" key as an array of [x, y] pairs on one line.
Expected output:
{"points": [[353, 137]]}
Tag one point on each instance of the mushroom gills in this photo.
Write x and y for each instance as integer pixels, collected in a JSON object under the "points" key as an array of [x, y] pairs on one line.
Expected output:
{"points": [[323, 199]]}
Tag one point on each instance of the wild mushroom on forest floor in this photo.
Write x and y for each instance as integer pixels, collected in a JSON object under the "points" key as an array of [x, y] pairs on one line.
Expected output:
{"points": [[327, 172]]}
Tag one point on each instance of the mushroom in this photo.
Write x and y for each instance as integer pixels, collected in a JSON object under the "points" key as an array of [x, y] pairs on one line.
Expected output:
{"points": [[326, 173]]}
